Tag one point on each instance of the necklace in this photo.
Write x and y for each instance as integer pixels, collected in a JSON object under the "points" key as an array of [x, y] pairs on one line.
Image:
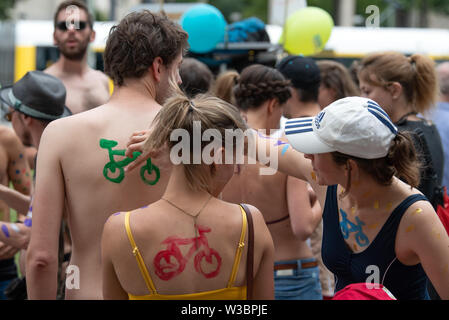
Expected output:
{"points": [[195, 217], [404, 117]]}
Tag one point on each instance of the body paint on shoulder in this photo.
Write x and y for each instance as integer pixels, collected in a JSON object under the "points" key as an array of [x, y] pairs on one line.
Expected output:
{"points": [[28, 222], [5, 230]]}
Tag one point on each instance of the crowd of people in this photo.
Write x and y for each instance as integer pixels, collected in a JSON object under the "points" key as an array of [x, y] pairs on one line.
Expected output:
{"points": [[361, 158]]}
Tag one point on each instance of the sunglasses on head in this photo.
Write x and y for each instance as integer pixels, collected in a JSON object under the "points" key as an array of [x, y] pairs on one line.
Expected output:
{"points": [[62, 25]]}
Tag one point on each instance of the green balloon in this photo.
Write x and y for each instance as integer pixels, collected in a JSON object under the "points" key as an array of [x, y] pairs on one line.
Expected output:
{"points": [[307, 31]]}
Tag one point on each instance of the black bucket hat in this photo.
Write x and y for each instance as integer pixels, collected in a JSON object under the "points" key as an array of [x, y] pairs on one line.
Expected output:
{"points": [[38, 95], [303, 72]]}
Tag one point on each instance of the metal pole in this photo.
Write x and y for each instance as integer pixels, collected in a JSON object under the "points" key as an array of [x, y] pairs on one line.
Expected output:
{"points": [[112, 9], [346, 13]]}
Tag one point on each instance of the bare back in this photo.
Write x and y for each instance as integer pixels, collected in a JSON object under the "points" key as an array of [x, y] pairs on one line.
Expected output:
{"points": [[84, 92], [269, 194], [89, 149], [161, 229]]}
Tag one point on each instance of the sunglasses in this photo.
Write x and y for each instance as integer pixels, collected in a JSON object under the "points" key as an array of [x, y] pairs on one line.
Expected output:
{"points": [[8, 115], [62, 25]]}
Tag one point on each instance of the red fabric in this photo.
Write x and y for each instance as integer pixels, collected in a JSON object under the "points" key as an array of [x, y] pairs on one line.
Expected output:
{"points": [[363, 291], [443, 211]]}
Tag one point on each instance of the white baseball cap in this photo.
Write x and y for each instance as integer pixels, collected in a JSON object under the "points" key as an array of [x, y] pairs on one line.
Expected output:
{"points": [[354, 126]]}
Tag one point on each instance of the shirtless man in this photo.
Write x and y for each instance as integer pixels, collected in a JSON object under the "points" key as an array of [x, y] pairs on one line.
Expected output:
{"points": [[81, 158], [86, 88], [13, 236], [31, 103]]}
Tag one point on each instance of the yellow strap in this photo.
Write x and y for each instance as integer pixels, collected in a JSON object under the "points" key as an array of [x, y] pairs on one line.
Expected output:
{"points": [[140, 262], [238, 254]]}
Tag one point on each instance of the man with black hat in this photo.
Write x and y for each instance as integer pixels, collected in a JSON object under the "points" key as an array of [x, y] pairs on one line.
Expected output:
{"points": [[304, 75], [33, 102]]}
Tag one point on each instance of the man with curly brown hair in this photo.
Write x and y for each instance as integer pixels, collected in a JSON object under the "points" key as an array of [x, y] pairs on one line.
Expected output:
{"points": [[81, 158]]}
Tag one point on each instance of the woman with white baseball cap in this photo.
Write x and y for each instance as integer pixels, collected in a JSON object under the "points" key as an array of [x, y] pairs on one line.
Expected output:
{"points": [[377, 228]]}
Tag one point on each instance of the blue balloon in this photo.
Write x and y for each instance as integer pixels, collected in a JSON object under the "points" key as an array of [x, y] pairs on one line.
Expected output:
{"points": [[206, 27]]}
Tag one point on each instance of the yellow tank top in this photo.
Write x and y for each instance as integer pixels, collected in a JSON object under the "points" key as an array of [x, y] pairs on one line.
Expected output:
{"points": [[228, 293]]}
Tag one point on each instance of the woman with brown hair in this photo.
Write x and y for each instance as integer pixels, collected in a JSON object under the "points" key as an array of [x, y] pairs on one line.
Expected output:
{"points": [[224, 84], [336, 83], [190, 244], [261, 94], [405, 87], [378, 229]]}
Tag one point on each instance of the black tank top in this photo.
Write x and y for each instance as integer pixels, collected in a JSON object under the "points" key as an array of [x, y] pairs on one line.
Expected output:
{"points": [[404, 282]]}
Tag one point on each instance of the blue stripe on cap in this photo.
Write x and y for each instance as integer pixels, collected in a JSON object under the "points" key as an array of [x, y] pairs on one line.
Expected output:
{"points": [[299, 131], [378, 109], [300, 125], [299, 121], [384, 121], [374, 103]]}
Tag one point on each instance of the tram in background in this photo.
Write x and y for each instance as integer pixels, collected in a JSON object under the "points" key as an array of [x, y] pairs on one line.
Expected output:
{"points": [[34, 48]]}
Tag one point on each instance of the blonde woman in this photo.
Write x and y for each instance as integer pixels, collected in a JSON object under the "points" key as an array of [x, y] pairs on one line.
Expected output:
{"points": [[190, 244]]}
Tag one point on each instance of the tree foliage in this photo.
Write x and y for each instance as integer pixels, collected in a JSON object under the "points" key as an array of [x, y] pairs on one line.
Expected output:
{"points": [[247, 8], [259, 8], [5, 7]]}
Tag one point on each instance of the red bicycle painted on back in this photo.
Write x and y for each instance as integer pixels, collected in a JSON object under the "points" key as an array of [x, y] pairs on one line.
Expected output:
{"points": [[166, 268]]}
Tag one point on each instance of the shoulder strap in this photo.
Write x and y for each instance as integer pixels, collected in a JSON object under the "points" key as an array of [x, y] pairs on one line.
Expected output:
{"points": [[136, 253], [241, 245], [250, 261]]}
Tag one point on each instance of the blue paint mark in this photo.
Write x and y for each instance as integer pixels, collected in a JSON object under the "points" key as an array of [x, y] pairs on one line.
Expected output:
{"points": [[17, 171], [5, 230], [145, 206], [20, 156], [360, 237], [116, 214], [284, 150], [28, 222]]}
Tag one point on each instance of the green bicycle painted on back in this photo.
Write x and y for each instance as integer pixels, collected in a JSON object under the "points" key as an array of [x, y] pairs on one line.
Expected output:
{"points": [[110, 168]]}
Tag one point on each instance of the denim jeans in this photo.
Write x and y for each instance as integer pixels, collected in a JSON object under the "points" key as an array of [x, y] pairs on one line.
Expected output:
{"points": [[3, 285], [299, 283]]}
